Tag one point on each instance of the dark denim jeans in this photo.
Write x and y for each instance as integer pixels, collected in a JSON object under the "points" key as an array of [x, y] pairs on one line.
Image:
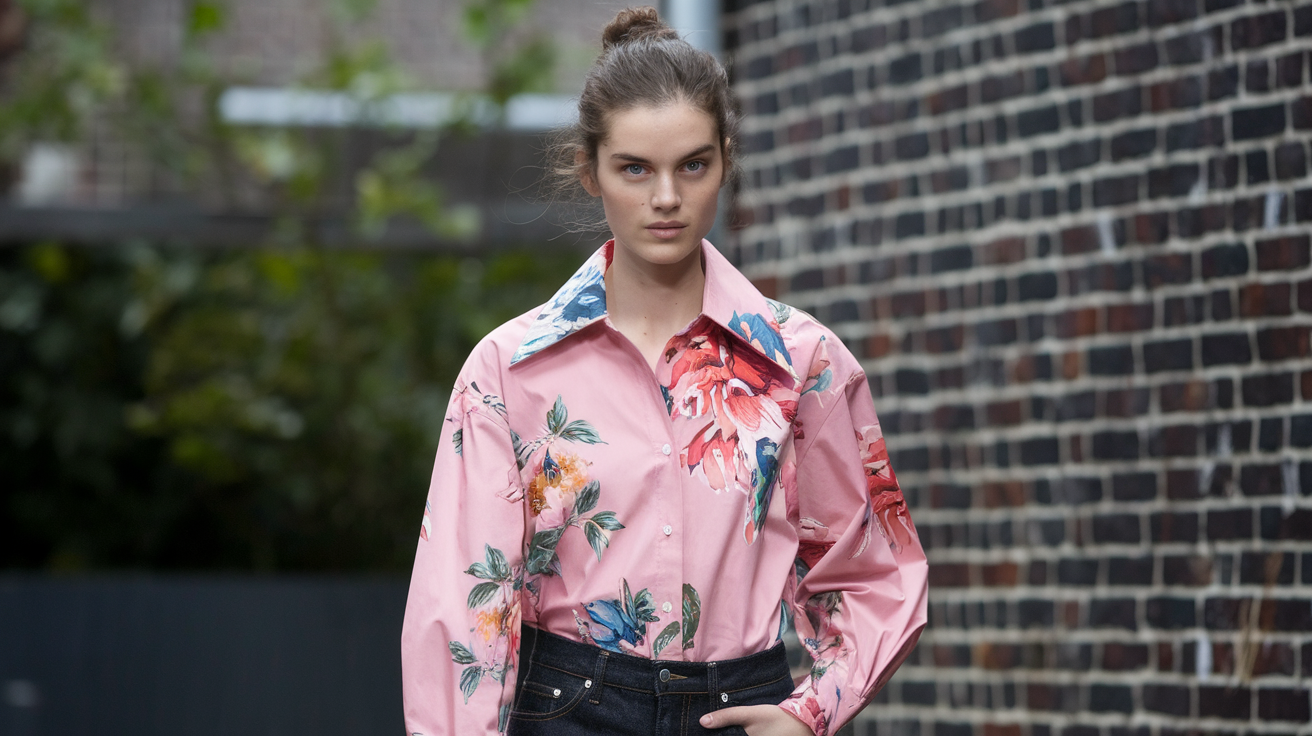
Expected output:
{"points": [[570, 689]]}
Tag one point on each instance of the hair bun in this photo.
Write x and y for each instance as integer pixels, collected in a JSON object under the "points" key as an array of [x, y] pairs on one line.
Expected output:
{"points": [[634, 24]]}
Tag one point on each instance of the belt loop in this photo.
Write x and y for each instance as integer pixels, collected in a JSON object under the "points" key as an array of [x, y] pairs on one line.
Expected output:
{"points": [[599, 678], [713, 685]]}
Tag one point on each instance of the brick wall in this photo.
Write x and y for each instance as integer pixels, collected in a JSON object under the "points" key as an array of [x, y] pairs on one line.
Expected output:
{"points": [[1070, 243]]}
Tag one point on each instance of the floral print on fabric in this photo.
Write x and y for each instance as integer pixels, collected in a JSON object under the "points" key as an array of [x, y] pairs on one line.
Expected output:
{"points": [[580, 302], [748, 406], [618, 625], [827, 647], [495, 608], [888, 510], [561, 493]]}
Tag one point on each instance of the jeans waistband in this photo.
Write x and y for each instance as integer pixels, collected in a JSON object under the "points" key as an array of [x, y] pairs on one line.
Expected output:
{"points": [[659, 677]]}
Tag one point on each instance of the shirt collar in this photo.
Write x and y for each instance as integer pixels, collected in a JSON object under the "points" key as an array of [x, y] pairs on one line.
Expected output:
{"points": [[729, 299]]}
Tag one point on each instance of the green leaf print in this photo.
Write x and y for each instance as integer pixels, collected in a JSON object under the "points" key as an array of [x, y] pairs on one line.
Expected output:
{"points": [[481, 594], [587, 498], [542, 551], [557, 417], [607, 520], [581, 431], [517, 443], [596, 537], [457, 440], [502, 717], [692, 614], [664, 638], [469, 680], [496, 561], [460, 653]]}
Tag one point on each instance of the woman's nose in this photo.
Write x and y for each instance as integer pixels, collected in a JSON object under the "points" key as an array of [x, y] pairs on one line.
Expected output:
{"points": [[666, 194]]}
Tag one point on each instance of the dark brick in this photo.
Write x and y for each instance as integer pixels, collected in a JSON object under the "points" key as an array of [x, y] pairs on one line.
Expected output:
{"points": [[1283, 704], [912, 382], [919, 693], [1116, 445], [1172, 181], [842, 159], [1032, 613], [1194, 134], [1037, 286], [1268, 389], [1224, 702], [1136, 59], [1257, 76], [1168, 355], [1227, 349], [1175, 441], [1303, 20], [1223, 524], [1272, 568], [1174, 527], [1283, 343], [1169, 699], [1166, 12], [1168, 268], [954, 258], [1180, 571], [1116, 190], [1111, 361], [1256, 169], [909, 225], [1038, 37], [1040, 451], [1134, 486], [1036, 122], [905, 70], [1289, 70], [1133, 144], [1225, 260], [1130, 571], [1118, 613], [1257, 122], [1077, 572], [1124, 103], [997, 332], [1222, 83], [841, 82], [1116, 529], [1283, 254], [1188, 48], [1261, 480], [1255, 31], [1111, 699], [1291, 161]]}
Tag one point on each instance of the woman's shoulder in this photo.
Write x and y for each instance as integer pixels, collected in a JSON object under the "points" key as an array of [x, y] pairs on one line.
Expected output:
{"points": [[812, 346], [493, 354]]}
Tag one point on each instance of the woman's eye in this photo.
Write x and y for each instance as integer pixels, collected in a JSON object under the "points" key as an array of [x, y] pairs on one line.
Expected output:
{"points": [[696, 165], [634, 169]]}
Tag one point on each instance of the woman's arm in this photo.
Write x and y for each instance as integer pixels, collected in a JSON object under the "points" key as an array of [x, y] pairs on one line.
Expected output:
{"points": [[460, 640], [860, 601]]}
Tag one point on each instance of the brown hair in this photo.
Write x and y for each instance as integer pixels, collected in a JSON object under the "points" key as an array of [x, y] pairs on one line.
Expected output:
{"points": [[642, 62]]}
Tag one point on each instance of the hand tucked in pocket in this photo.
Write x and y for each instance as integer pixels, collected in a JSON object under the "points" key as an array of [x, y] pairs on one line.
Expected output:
{"points": [[757, 720]]}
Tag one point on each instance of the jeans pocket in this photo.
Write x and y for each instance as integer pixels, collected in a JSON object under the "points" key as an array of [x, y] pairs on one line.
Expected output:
{"points": [[548, 694]]}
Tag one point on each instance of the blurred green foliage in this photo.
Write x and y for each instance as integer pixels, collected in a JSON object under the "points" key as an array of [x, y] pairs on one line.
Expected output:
{"points": [[265, 410], [273, 408]]}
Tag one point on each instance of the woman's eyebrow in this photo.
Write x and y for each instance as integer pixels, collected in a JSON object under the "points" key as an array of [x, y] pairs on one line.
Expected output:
{"points": [[639, 159]]}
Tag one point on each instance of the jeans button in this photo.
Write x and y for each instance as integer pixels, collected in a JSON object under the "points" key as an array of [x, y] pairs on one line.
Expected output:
{"points": [[665, 675]]}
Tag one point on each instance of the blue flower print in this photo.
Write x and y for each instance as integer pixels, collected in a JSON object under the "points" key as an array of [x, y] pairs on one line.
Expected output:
{"points": [[756, 330], [580, 302]]}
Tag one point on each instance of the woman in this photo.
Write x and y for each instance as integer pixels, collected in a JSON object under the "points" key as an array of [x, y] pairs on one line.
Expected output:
{"points": [[636, 474]]}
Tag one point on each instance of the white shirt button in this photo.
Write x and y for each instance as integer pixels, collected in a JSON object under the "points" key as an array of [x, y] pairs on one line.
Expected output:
{"points": [[667, 607], [667, 529], [665, 448]]}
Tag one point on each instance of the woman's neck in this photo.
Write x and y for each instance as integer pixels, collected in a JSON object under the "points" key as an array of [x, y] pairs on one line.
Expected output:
{"points": [[649, 303]]}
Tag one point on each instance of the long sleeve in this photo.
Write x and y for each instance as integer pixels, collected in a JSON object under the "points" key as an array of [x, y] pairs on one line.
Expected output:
{"points": [[860, 598], [460, 640]]}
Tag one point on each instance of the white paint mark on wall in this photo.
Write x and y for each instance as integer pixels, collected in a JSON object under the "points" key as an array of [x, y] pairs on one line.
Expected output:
{"points": [[1271, 217]]}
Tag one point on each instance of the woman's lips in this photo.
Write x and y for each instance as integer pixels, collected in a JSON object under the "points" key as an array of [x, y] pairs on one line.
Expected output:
{"points": [[666, 230]]}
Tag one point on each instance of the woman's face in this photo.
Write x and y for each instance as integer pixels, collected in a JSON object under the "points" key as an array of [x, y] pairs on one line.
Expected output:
{"points": [[658, 173]]}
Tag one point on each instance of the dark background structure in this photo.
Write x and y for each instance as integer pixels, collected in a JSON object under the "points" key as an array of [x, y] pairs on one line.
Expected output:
{"points": [[1069, 241]]}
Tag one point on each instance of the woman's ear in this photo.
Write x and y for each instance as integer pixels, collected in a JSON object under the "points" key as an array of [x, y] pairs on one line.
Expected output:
{"points": [[724, 160], [587, 173]]}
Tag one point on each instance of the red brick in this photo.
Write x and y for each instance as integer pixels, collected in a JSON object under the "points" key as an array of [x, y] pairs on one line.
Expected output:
{"points": [[1283, 254], [1077, 240], [1189, 396], [768, 286], [1004, 250], [997, 495], [878, 345], [1002, 574], [1263, 300], [1086, 70], [950, 575], [1005, 413], [1129, 317], [1077, 322], [1282, 343], [1070, 365]]}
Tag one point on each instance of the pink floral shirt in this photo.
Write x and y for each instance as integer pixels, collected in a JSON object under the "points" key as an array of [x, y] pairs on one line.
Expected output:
{"points": [[665, 515]]}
